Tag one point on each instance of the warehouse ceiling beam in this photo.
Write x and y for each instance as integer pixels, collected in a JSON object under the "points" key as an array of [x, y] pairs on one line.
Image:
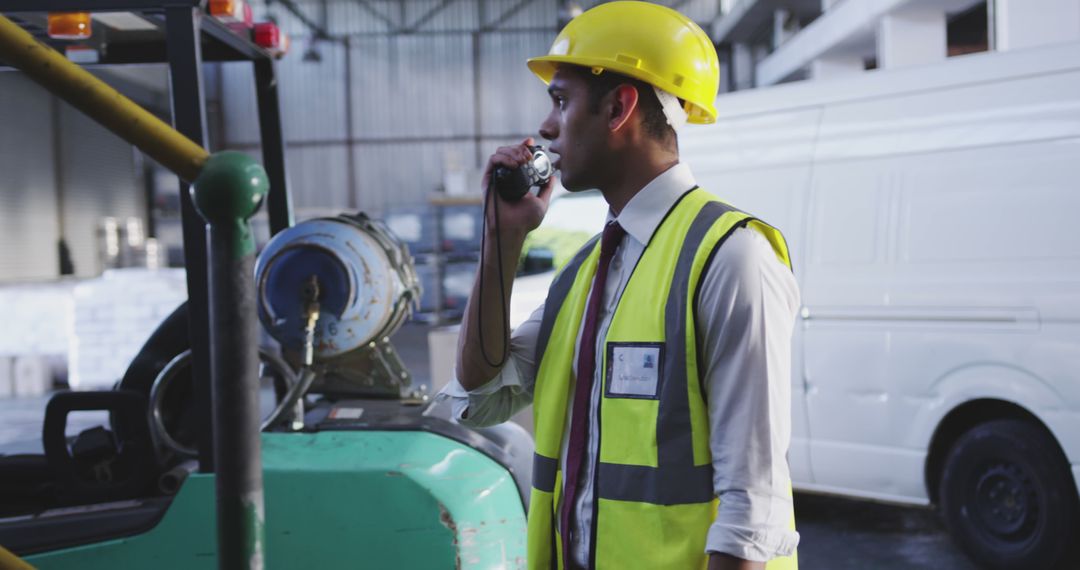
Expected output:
{"points": [[704, 25], [427, 17], [563, 14], [319, 31], [715, 19], [92, 5], [505, 16], [393, 27]]}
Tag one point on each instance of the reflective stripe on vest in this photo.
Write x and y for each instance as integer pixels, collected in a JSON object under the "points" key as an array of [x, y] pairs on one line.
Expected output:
{"points": [[654, 490]]}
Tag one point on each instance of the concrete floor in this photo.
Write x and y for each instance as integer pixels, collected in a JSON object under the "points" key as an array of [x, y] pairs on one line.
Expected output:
{"points": [[843, 534], [837, 534]]}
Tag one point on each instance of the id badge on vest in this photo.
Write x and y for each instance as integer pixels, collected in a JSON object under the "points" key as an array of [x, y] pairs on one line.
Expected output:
{"points": [[634, 369]]}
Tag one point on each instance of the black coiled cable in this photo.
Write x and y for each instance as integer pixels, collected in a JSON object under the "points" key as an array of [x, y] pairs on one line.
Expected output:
{"points": [[489, 199]]}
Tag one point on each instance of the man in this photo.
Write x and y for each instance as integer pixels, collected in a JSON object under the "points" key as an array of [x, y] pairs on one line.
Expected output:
{"points": [[659, 364]]}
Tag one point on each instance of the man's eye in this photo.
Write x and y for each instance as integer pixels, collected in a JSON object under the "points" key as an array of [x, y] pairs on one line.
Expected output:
{"points": [[561, 102]]}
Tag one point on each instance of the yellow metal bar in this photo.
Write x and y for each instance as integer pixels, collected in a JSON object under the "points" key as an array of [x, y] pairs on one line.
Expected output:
{"points": [[100, 102], [9, 561]]}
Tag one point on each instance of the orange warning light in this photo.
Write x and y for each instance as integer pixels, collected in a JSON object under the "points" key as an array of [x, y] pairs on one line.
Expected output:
{"points": [[228, 11], [69, 25]]}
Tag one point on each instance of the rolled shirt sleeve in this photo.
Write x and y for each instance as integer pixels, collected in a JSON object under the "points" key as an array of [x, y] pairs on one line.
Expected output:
{"points": [[745, 316], [509, 391]]}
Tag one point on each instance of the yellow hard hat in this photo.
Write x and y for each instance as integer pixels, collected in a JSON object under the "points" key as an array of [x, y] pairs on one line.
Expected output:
{"points": [[645, 41]]}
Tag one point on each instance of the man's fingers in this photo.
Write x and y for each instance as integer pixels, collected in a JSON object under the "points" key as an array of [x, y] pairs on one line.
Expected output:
{"points": [[545, 190], [519, 153], [509, 156], [506, 156], [510, 152]]}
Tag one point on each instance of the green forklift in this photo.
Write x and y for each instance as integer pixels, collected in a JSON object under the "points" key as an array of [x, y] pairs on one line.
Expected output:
{"points": [[348, 465]]}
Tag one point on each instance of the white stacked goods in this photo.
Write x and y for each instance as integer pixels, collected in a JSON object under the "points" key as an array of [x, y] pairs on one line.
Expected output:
{"points": [[442, 355], [31, 375], [114, 315], [7, 381], [38, 324]]}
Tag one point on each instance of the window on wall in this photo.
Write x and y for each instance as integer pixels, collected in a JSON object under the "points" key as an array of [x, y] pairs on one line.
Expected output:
{"points": [[969, 31]]}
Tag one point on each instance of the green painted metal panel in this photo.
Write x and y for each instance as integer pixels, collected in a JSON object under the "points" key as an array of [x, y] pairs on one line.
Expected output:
{"points": [[343, 499]]}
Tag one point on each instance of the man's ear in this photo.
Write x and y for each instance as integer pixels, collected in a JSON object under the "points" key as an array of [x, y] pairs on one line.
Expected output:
{"points": [[624, 101]]}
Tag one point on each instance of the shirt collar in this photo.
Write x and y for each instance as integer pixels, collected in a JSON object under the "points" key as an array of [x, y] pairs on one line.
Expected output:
{"points": [[644, 212]]}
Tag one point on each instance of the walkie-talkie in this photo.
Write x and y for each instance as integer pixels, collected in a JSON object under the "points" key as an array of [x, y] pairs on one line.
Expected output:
{"points": [[513, 184]]}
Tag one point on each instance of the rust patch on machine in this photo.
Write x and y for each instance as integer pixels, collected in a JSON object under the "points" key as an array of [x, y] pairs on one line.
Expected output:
{"points": [[447, 520]]}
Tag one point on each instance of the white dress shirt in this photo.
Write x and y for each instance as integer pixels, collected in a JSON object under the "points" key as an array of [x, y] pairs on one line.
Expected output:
{"points": [[744, 316]]}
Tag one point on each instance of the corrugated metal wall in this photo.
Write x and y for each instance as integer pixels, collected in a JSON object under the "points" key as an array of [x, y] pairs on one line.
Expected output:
{"points": [[99, 180], [411, 89], [28, 216], [95, 170], [414, 88]]}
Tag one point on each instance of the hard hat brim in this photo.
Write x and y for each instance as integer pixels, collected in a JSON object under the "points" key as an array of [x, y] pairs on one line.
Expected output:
{"points": [[544, 67]]}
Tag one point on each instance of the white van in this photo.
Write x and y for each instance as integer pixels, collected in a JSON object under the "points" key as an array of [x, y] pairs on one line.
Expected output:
{"points": [[933, 215]]}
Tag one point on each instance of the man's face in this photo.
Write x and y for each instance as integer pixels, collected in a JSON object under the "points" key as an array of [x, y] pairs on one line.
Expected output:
{"points": [[578, 135]]}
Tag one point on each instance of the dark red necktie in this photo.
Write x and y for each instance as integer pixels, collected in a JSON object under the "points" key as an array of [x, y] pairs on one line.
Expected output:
{"points": [[586, 370]]}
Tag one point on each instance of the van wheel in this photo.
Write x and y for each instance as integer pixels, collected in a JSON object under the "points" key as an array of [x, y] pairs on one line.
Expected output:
{"points": [[1008, 498]]}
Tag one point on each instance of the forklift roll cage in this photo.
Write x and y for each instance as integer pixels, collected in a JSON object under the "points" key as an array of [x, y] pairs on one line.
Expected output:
{"points": [[363, 478], [185, 38]]}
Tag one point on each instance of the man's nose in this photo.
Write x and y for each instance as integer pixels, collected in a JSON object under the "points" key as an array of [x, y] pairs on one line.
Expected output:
{"points": [[549, 129]]}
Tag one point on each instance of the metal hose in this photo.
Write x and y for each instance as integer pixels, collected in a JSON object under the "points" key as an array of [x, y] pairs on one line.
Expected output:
{"points": [[164, 378]]}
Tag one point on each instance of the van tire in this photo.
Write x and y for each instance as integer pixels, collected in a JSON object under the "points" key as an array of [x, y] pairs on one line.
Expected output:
{"points": [[1008, 497]]}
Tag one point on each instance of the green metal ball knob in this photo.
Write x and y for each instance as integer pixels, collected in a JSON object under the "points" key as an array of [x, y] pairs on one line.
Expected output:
{"points": [[228, 191], [230, 187]]}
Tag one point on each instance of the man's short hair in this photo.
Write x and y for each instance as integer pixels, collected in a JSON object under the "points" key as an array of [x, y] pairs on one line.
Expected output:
{"points": [[652, 113]]}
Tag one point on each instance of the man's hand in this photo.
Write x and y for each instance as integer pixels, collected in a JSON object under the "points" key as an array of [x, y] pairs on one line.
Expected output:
{"points": [[720, 561], [516, 218], [502, 249]]}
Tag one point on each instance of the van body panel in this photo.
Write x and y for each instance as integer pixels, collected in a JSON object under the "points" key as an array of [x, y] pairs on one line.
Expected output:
{"points": [[887, 390], [1007, 111], [996, 381], [931, 215], [883, 472], [960, 71], [762, 166], [873, 496]]}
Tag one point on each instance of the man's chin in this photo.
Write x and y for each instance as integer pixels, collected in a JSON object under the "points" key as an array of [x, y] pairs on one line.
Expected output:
{"points": [[573, 185]]}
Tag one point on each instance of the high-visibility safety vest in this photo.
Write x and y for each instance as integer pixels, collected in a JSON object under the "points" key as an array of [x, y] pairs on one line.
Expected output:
{"points": [[654, 485]]}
